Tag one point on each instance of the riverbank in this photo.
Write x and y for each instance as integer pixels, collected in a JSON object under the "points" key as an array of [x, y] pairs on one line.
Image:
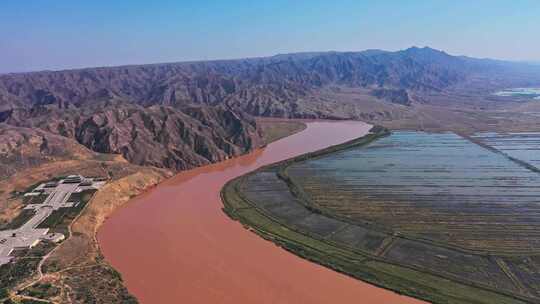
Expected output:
{"points": [[76, 270], [271, 204], [182, 247]]}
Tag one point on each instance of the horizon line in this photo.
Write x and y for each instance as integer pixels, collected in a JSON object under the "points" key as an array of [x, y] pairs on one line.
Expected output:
{"points": [[191, 61]]}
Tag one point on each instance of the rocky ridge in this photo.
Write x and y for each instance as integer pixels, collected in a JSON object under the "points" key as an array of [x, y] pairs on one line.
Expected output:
{"points": [[282, 85], [159, 136]]}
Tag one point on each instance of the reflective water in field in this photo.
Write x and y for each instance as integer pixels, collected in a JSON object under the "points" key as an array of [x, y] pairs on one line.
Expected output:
{"points": [[431, 164], [438, 186], [524, 146], [520, 92]]}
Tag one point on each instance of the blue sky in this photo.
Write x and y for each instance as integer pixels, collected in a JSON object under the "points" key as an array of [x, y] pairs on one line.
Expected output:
{"points": [[58, 34]]}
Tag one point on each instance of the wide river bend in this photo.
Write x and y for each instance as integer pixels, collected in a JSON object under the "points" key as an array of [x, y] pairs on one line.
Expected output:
{"points": [[173, 244]]}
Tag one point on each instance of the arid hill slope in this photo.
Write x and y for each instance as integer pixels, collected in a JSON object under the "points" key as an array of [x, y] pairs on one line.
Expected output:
{"points": [[283, 85], [180, 115], [159, 136]]}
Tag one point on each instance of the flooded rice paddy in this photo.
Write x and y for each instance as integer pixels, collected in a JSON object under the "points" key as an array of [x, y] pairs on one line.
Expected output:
{"points": [[520, 92], [524, 146], [433, 203], [440, 187]]}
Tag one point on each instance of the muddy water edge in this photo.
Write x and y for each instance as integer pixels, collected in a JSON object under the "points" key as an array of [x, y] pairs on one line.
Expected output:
{"points": [[174, 244]]}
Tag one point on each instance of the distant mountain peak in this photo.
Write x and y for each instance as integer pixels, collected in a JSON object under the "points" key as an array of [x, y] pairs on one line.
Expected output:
{"points": [[425, 50], [267, 86]]}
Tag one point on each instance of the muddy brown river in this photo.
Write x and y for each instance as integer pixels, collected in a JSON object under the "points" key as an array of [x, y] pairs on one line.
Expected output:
{"points": [[174, 244]]}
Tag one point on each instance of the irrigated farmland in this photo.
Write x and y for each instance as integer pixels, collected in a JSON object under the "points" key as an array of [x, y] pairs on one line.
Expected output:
{"points": [[521, 146], [433, 215], [440, 187]]}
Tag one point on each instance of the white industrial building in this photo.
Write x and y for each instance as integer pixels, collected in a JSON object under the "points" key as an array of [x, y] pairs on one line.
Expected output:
{"points": [[28, 235]]}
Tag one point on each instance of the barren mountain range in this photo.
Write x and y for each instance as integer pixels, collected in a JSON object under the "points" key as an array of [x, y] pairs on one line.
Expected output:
{"points": [[180, 115]]}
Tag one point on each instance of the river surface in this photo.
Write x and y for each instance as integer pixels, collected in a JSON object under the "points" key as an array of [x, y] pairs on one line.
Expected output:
{"points": [[174, 244]]}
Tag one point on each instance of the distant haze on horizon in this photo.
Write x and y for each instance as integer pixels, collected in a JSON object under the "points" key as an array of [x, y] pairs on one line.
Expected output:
{"points": [[62, 34]]}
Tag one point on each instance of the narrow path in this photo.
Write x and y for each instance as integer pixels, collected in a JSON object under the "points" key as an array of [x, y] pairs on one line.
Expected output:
{"points": [[39, 268]]}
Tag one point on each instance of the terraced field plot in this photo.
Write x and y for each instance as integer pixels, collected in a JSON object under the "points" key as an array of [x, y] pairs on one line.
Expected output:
{"points": [[520, 92], [439, 187], [431, 215], [521, 146]]}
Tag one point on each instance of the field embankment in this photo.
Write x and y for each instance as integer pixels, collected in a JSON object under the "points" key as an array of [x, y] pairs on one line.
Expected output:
{"points": [[277, 205]]}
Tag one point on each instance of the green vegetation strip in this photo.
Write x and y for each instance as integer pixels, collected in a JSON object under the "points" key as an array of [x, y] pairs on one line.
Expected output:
{"points": [[361, 265], [60, 219], [25, 262], [23, 217]]}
